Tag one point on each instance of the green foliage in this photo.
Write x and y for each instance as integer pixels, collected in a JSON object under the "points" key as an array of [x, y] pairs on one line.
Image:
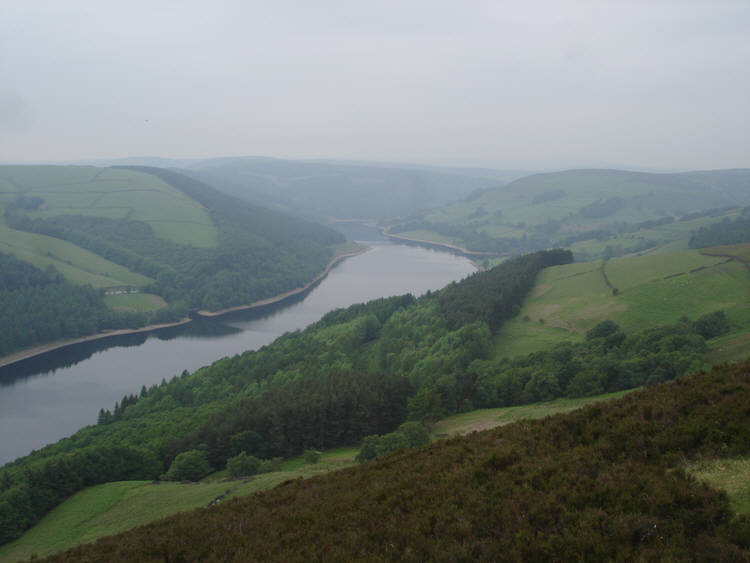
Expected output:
{"points": [[337, 382], [259, 252], [712, 325], [249, 442], [602, 330], [602, 483], [724, 232], [243, 465], [590, 209], [38, 487], [494, 295], [311, 456], [408, 435], [189, 466], [40, 306]]}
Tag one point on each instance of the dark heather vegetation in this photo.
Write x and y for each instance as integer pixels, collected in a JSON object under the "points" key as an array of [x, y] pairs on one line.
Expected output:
{"points": [[723, 233], [41, 306], [605, 482], [357, 372], [261, 253]]}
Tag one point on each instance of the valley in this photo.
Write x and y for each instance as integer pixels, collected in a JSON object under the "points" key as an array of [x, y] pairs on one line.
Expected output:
{"points": [[360, 359]]}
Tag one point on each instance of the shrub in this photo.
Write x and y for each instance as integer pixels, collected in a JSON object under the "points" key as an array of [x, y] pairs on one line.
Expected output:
{"points": [[311, 456], [243, 465], [189, 466]]}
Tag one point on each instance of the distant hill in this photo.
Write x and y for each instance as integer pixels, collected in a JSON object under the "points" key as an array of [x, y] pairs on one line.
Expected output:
{"points": [[148, 230], [608, 207], [343, 190]]}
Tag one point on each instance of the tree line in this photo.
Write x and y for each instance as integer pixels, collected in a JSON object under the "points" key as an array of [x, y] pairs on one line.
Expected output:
{"points": [[605, 482], [367, 369]]}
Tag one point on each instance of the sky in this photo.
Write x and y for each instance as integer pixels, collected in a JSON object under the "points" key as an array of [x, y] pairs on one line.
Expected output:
{"points": [[513, 85]]}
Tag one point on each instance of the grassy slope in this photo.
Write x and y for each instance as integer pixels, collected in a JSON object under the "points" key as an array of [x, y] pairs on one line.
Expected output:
{"points": [[568, 300], [115, 507], [77, 264], [84, 190], [729, 475], [114, 193], [511, 212], [658, 193], [593, 484]]}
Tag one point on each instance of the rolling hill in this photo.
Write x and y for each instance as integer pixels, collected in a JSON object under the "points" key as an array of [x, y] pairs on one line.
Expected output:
{"points": [[654, 289], [154, 233], [587, 210], [344, 190]]}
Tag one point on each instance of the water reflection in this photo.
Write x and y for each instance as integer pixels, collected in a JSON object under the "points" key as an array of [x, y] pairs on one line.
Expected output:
{"points": [[47, 397]]}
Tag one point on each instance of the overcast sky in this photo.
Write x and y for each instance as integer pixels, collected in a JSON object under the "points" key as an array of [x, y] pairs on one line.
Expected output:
{"points": [[505, 84]]}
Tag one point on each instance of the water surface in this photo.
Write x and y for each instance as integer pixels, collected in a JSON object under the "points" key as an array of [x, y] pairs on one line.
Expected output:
{"points": [[49, 397]]}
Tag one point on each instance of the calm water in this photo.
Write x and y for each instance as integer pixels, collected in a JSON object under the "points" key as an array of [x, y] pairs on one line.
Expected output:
{"points": [[50, 397]]}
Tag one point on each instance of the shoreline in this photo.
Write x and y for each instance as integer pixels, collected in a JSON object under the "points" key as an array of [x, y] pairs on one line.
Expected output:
{"points": [[282, 296], [44, 348], [468, 254]]}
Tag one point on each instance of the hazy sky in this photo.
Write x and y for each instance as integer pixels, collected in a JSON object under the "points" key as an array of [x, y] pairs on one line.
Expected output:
{"points": [[505, 84]]}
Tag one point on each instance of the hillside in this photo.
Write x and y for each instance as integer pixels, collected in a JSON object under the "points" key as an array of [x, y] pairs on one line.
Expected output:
{"points": [[322, 190], [569, 300], [112, 508], [163, 242], [358, 372], [350, 375], [605, 482], [595, 212]]}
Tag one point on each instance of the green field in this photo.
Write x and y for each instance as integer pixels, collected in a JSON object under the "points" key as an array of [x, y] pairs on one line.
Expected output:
{"points": [[113, 193], [729, 475], [558, 208], [115, 507], [77, 264], [101, 192], [484, 419], [655, 289]]}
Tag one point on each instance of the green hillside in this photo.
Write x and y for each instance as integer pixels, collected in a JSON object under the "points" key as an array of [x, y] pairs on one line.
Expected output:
{"points": [[655, 289], [344, 190], [607, 482], [358, 372], [163, 242], [116, 507], [589, 210]]}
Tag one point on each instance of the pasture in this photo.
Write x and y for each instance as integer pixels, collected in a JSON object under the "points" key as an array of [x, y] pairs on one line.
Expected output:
{"points": [[656, 289], [76, 264], [112, 193]]}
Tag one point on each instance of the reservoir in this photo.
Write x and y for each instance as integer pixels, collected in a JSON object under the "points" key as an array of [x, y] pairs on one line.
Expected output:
{"points": [[51, 396]]}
